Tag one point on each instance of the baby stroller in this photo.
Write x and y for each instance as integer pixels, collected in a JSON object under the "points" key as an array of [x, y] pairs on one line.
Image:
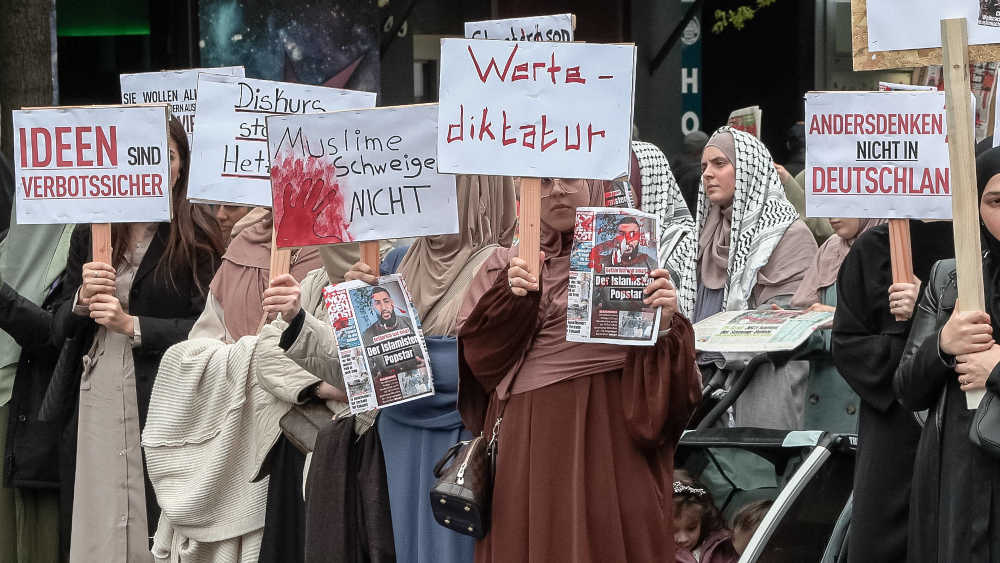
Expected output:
{"points": [[808, 475]]}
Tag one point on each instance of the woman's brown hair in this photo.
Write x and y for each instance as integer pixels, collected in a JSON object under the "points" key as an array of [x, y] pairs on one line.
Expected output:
{"points": [[194, 238]]}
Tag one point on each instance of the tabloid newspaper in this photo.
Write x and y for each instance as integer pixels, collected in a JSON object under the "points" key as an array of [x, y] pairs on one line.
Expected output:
{"points": [[746, 119], [619, 194], [613, 251], [757, 331], [381, 347]]}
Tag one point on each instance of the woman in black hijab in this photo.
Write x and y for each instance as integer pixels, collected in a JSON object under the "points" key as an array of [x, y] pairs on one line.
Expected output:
{"points": [[956, 485], [867, 344]]}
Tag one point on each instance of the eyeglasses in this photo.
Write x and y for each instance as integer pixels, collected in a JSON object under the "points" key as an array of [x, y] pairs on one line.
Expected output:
{"points": [[549, 184]]}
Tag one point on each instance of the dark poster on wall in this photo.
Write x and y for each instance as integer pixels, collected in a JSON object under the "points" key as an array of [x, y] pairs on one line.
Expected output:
{"points": [[332, 43]]}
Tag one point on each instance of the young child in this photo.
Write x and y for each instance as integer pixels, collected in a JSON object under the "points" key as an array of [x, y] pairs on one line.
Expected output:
{"points": [[699, 531], [746, 521]]}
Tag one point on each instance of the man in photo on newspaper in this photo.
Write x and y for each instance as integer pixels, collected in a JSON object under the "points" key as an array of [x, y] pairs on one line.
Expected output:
{"points": [[623, 265], [390, 341]]}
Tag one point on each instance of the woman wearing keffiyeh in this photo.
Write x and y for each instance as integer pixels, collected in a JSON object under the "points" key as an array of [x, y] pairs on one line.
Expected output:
{"points": [[753, 250]]}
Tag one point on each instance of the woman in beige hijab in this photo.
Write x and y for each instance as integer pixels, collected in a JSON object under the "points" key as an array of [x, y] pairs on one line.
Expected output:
{"points": [[414, 435], [753, 251]]}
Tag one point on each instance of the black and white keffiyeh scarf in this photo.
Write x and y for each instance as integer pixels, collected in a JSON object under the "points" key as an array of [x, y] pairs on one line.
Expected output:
{"points": [[761, 215], [661, 196]]}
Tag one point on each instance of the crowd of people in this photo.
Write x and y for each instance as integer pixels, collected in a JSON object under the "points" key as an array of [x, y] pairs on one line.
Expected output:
{"points": [[181, 404]]}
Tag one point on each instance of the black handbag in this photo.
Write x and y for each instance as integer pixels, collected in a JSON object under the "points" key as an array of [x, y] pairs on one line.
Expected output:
{"points": [[985, 428], [461, 499]]}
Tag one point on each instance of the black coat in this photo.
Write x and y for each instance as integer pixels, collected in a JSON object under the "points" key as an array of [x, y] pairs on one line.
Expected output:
{"points": [[31, 459], [867, 344], [38, 454], [166, 315], [955, 514]]}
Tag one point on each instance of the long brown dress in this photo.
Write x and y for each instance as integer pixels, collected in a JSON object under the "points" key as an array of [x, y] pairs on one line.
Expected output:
{"points": [[585, 465]]}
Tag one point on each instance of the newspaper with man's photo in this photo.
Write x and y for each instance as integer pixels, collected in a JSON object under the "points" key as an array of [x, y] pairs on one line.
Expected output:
{"points": [[382, 351], [758, 330], [614, 249]]}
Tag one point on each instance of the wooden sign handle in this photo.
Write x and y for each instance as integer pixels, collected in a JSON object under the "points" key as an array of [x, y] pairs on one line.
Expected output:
{"points": [[961, 150], [529, 220], [281, 258], [370, 255], [100, 239], [901, 253]]}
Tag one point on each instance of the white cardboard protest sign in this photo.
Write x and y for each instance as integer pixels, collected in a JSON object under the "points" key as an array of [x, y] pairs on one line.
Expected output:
{"points": [[105, 164], [896, 25], [514, 108], [878, 155], [359, 175], [179, 88], [230, 162], [558, 27]]}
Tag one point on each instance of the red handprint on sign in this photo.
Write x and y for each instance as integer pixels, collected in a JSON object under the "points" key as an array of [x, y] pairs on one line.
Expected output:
{"points": [[308, 202]]}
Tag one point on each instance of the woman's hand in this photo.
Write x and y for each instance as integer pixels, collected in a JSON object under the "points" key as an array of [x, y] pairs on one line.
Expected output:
{"points": [[519, 279], [327, 392], [661, 293], [974, 369], [283, 296], [107, 311], [363, 272], [903, 299], [98, 278], [967, 332]]}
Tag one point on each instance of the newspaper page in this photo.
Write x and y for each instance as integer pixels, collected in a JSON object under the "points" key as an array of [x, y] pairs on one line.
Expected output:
{"points": [[381, 346], [746, 119], [756, 331], [614, 249], [619, 194]]}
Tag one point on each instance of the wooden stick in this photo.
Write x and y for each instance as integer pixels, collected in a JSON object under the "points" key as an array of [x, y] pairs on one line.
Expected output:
{"points": [[529, 219], [370, 255], [281, 258], [100, 239], [901, 253], [961, 149]]}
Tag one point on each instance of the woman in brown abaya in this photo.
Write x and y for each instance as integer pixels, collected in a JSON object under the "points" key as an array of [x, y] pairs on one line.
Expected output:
{"points": [[586, 443]]}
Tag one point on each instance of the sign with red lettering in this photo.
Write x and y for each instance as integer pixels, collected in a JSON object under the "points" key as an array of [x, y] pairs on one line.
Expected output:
{"points": [[106, 164], [230, 162], [515, 108], [359, 175], [179, 88], [877, 155]]}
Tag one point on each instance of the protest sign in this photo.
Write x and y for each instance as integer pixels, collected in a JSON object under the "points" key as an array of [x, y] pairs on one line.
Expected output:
{"points": [[102, 164], [913, 24], [746, 119], [381, 347], [559, 110], [895, 25], [230, 163], [613, 252], [757, 331], [178, 88], [557, 27], [360, 175], [878, 155], [894, 87]]}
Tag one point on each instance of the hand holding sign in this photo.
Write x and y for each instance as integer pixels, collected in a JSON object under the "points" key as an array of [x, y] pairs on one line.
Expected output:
{"points": [[98, 278], [283, 296], [519, 277]]}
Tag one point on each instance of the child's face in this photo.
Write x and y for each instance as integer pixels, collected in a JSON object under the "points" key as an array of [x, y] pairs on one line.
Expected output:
{"points": [[687, 526]]}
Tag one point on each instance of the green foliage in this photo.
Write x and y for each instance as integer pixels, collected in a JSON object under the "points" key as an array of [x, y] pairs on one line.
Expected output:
{"points": [[739, 17]]}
